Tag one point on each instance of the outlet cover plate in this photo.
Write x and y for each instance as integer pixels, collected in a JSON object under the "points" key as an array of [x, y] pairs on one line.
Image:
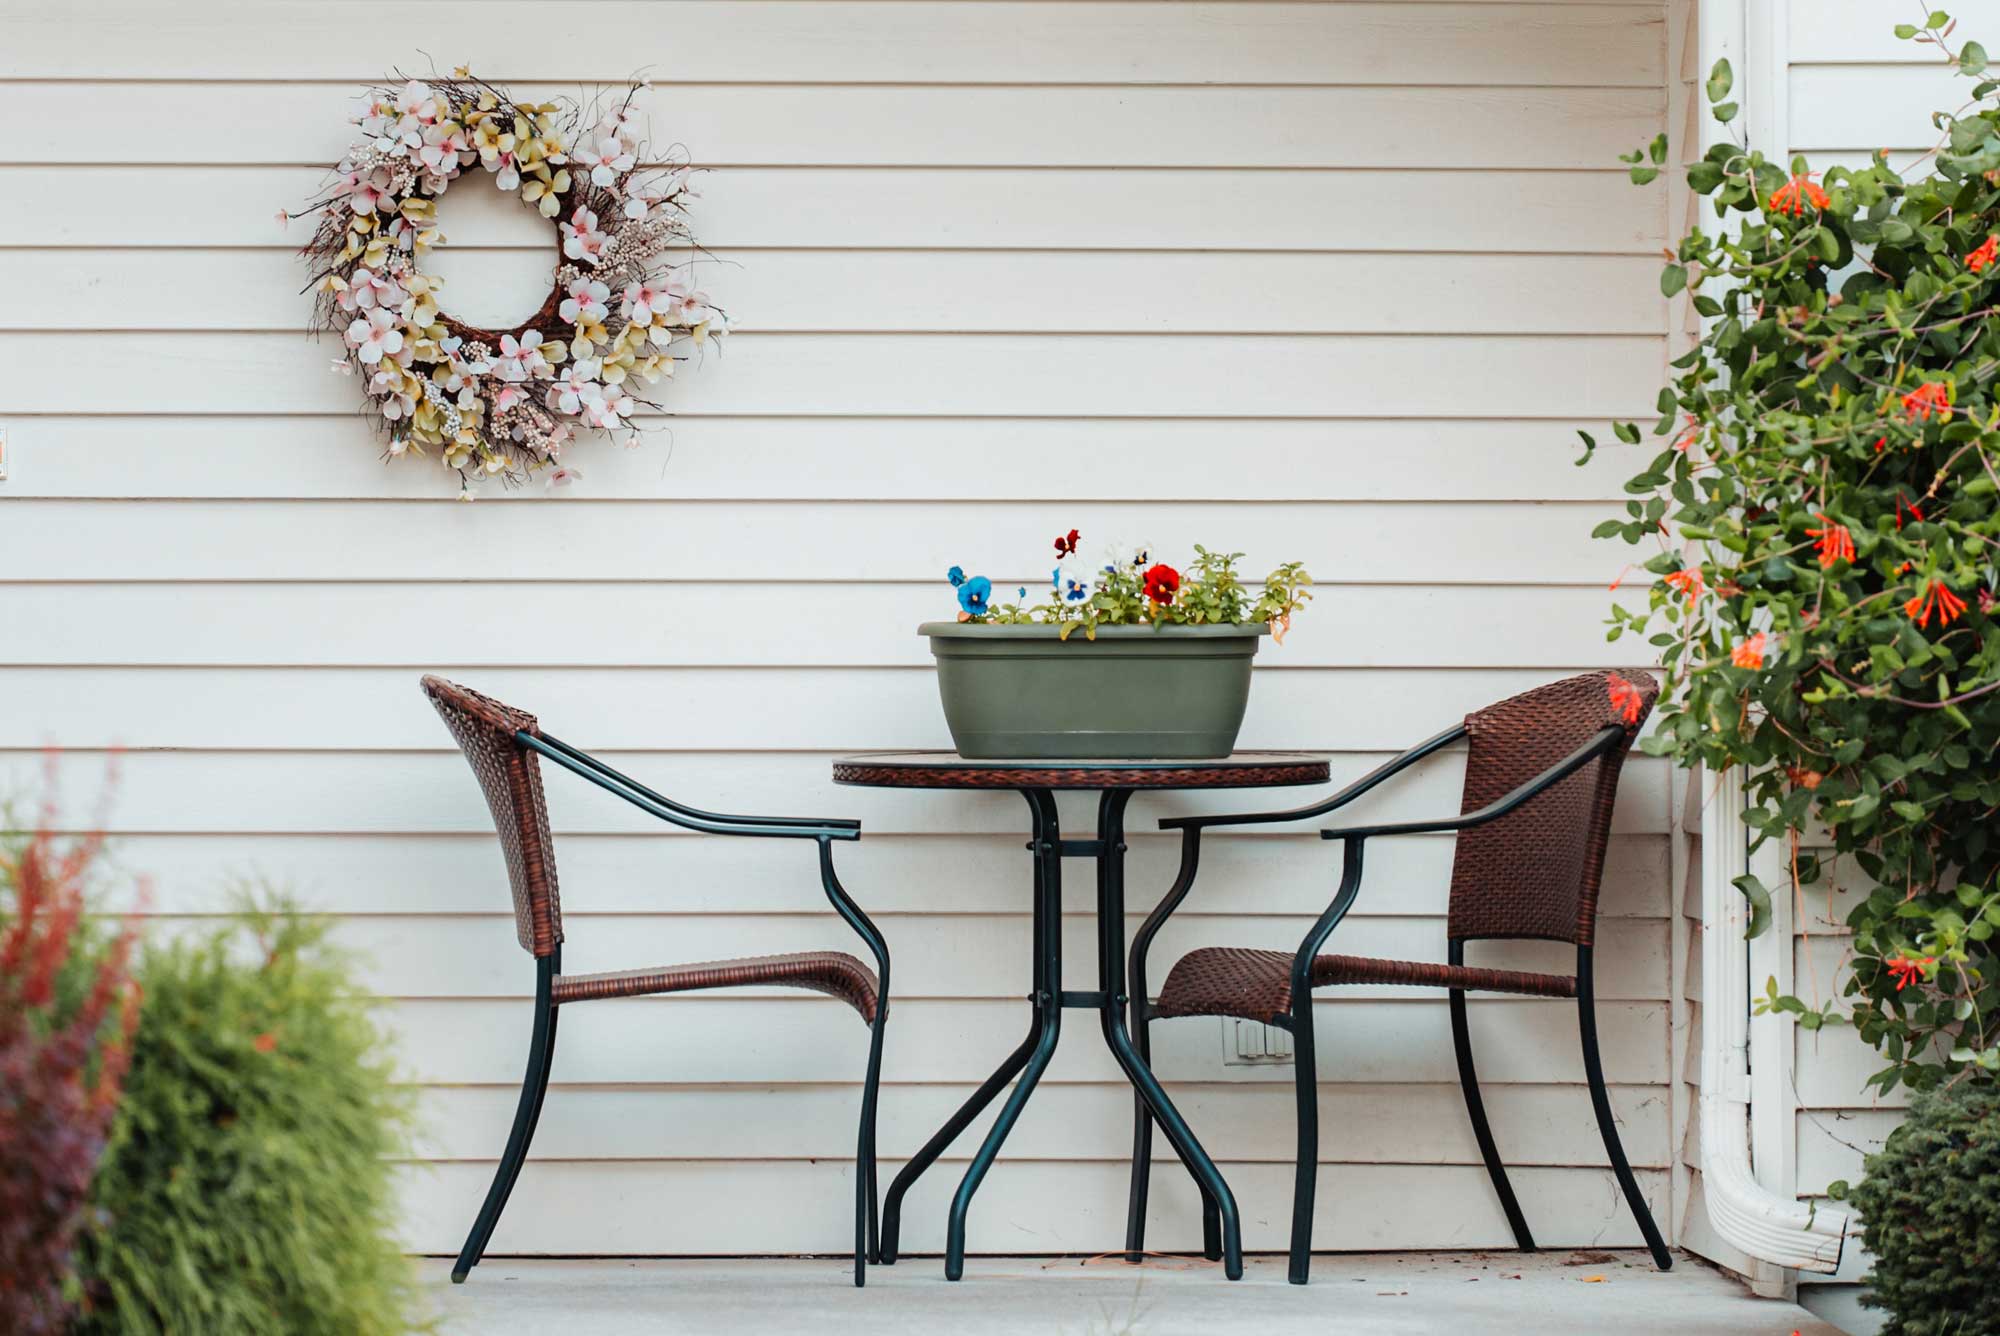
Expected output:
{"points": [[1252, 1044]]}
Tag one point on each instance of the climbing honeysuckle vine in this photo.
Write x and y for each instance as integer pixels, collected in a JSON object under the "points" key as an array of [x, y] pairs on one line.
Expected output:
{"points": [[1823, 531]]}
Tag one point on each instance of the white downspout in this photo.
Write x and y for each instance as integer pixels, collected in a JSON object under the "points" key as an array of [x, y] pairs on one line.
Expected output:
{"points": [[1780, 1230], [1763, 1218]]}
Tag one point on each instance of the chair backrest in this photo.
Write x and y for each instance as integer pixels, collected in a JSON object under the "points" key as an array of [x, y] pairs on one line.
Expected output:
{"points": [[1535, 872], [512, 778]]}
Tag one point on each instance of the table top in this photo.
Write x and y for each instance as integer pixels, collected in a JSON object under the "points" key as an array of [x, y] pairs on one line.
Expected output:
{"points": [[949, 770]]}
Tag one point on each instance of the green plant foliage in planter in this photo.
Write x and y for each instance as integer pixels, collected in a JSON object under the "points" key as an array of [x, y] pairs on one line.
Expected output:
{"points": [[1823, 527], [248, 1184], [1930, 1207]]}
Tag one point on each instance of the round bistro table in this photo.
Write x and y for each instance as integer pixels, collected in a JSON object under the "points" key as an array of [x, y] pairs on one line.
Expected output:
{"points": [[1114, 782]]}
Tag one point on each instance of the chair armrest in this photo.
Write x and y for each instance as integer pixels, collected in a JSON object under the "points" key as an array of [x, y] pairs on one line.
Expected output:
{"points": [[693, 818], [1606, 739], [1318, 809]]}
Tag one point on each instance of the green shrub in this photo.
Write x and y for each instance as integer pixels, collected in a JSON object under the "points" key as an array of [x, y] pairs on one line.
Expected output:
{"points": [[248, 1184], [1930, 1209]]}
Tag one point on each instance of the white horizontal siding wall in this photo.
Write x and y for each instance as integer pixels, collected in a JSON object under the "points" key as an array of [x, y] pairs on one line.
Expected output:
{"points": [[1322, 280]]}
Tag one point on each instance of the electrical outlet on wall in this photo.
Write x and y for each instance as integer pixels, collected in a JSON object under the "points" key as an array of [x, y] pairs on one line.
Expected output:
{"points": [[1254, 1044]]}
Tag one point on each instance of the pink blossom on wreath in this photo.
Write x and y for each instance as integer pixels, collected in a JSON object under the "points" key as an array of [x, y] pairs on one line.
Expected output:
{"points": [[521, 359], [581, 239], [367, 290], [387, 386], [608, 407], [608, 160], [589, 302], [365, 191], [644, 300], [574, 387], [444, 149], [375, 336]]}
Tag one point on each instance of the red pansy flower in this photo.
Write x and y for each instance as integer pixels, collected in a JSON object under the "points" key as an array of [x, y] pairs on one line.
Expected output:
{"points": [[1162, 583], [1066, 544]]}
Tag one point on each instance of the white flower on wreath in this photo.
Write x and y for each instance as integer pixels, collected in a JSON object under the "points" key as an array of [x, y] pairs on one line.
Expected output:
{"points": [[589, 302], [521, 359], [582, 241], [608, 160], [375, 336], [575, 387]]}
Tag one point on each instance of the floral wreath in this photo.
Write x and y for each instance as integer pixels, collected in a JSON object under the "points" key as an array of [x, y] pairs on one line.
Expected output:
{"points": [[505, 402]]}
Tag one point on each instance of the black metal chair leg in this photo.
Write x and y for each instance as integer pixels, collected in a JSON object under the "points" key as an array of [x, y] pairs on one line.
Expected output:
{"points": [[1600, 1103], [1305, 1180], [1468, 1080], [865, 1246], [1142, 1169], [534, 1085]]}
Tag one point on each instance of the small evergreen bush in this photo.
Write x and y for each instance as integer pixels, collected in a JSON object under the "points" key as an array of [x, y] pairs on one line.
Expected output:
{"points": [[248, 1184], [1930, 1207]]}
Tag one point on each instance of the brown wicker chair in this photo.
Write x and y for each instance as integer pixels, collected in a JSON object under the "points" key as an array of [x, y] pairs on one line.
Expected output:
{"points": [[1541, 774], [505, 746]]}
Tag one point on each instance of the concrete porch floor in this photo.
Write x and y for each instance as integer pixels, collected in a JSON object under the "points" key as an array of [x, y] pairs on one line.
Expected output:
{"points": [[1379, 1294]]}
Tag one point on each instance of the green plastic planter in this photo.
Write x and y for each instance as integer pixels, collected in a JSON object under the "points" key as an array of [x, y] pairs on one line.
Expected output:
{"points": [[1135, 692]]}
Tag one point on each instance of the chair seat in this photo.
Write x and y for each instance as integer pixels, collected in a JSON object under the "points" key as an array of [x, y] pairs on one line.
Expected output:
{"points": [[834, 973], [1257, 985]]}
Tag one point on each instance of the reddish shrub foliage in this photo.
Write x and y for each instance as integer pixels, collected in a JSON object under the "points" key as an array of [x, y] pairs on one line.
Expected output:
{"points": [[68, 1007]]}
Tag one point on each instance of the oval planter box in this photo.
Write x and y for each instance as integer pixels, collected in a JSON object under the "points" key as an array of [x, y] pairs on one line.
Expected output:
{"points": [[1134, 693]]}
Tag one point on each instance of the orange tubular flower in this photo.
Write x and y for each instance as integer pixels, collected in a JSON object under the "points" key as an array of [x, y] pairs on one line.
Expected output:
{"points": [[1936, 599], [1836, 542], [1793, 196], [1932, 396], [1626, 702], [1688, 581], [1749, 654], [1908, 969], [1988, 252]]}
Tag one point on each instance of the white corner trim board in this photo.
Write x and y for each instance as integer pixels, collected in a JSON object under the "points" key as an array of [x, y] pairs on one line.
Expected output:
{"points": [[1780, 1230]]}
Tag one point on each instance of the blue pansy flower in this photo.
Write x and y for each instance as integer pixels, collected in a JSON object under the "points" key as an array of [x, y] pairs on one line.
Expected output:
{"points": [[956, 575], [1069, 585], [975, 596]]}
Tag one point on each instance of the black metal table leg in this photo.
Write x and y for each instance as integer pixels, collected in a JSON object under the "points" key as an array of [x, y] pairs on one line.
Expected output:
{"points": [[1031, 1058], [1111, 972], [1048, 1009]]}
